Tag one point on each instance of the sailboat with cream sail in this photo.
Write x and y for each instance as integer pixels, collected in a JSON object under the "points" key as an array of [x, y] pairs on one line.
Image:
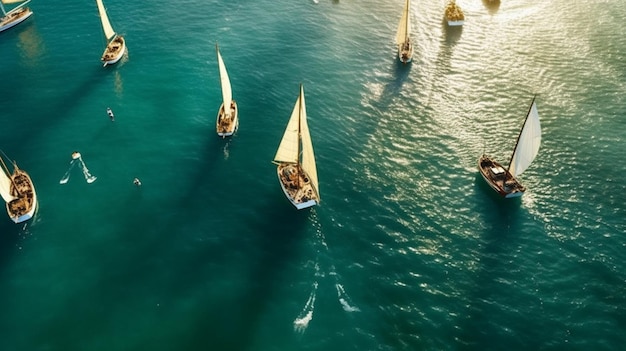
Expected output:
{"points": [[116, 45], [227, 116], [14, 16], [403, 35], [502, 180], [18, 191], [295, 159]]}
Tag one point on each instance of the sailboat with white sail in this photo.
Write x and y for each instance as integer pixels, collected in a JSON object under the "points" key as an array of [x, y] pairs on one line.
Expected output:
{"points": [[227, 116], [296, 169], [403, 35], [15, 15], [116, 45], [502, 180], [18, 191]]}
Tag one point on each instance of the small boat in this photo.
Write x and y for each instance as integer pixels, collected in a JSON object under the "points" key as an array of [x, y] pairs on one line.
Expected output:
{"points": [[453, 14], [403, 35], [116, 45], [502, 180], [110, 113], [18, 192], [227, 118], [298, 175], [14, 16]]}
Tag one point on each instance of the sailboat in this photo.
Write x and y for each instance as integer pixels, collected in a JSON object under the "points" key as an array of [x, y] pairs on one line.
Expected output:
{"points": [[14, 16], [227, 118], [403, 36], [502, 180], [298, 175], [453, 14], [18, 192], [116, 45]]}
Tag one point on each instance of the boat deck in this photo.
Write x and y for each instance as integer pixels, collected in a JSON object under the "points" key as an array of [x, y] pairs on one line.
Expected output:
{"points": [[296, 184], [498, 178]]}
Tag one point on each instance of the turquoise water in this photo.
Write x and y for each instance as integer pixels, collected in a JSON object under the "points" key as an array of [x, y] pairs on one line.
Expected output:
{"points": [[409, 250]]}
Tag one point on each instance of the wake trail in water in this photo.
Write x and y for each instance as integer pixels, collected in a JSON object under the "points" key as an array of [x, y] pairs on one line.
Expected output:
{"points": [[306, 314], [78, 160]]}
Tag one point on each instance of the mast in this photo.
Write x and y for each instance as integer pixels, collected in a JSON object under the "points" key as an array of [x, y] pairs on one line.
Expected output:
{"points": [[520, 133], [299, 132]]}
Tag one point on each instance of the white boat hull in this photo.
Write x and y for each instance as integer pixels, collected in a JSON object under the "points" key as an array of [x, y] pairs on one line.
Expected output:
{"points": [[227, 128], [302, 197], [114, 59], [499, 179], [455, 23], [26, 215], [16, 21]]}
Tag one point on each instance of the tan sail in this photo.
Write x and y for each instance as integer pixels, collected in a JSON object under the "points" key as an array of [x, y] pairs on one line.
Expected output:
{"points": [[109, 33], [404, 27], [308, 156], [288, 148], [227, 94]]}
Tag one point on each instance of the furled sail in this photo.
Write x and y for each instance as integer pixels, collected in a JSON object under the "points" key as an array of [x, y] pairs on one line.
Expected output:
{"points": [[404, 26], [308, 157], [12, 2], [227, 94], [5, 186], [288, 148], [528, 142], [109, 33]]}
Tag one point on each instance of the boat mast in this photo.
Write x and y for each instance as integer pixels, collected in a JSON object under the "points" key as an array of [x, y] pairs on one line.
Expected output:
{"points": [[299, 132], [520, 132]]}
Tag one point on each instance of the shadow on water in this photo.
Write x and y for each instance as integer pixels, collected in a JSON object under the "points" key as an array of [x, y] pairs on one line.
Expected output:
{"points": [[502, 220], [235, 322]]}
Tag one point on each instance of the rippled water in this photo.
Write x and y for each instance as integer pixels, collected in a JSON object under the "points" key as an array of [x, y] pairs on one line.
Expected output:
{"points": [[408, 250]]}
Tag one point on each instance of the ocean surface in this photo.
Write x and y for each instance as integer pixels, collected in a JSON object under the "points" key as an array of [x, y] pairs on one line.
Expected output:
{"points": [[408, 250]]}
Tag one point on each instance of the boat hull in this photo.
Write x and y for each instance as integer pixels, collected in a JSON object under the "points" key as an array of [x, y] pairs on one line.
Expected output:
{"points": [[23, 208], [300, 192], [12, 19], [227, 126], [114, 51], [405, 52], [455, 23], [499, 178]]}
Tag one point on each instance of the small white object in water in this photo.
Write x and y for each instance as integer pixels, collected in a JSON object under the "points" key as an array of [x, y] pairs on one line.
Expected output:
{"points": [[137, 182], [75, 155]]}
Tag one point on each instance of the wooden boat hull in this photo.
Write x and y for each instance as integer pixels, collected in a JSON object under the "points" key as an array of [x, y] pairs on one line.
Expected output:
{"points": [[405, 52], [114, 51], [23, 208], [13, 19], [227, 127], [499, 178], [301, 196]]}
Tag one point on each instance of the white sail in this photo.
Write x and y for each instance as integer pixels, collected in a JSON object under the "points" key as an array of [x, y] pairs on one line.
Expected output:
{"points": [[528, 143], [109, 33], [5, 186], [308, 157], [227, 94], [288, 148], [404, 27]]}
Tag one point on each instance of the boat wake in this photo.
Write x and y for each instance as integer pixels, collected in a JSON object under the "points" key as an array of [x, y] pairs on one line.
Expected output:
{"points": [[77, 159], [302, 322], [306, 314]]}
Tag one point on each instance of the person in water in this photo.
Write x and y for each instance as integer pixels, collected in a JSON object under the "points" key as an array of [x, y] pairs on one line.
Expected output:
{"points": [[110, 113], [137, 182]]}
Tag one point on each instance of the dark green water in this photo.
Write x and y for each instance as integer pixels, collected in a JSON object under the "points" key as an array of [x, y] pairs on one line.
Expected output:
{"points": [[409, 250]]}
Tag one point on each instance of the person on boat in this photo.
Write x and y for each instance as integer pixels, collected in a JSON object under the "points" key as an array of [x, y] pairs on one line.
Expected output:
{"points": [[110, 113]]}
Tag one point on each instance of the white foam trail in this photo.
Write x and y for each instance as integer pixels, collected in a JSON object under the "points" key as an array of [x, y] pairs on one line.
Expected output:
{"points": [[306, 315], [66, 176], [342, 295], [88, 177], [345, 300], [226, 152]]}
